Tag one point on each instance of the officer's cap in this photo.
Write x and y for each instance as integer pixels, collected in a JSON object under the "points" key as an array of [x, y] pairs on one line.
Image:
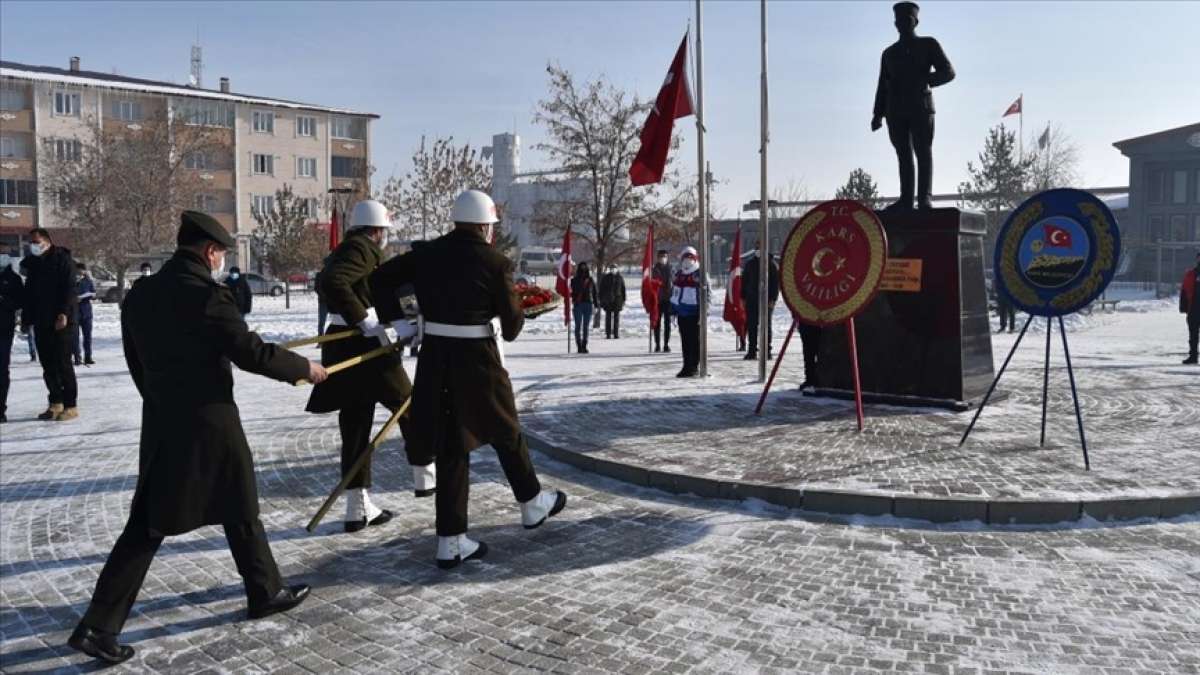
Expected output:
{"points": [[196, 226], [662, 251], [905, 9]]}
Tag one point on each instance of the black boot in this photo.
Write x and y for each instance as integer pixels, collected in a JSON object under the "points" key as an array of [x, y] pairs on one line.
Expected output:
{"points": [[750, 356], [99, 644], [284, 600], [1190, 361], [351, 526]]}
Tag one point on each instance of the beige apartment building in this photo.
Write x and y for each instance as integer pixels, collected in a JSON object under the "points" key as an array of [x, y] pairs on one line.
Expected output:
{"points": [[45, 112]]}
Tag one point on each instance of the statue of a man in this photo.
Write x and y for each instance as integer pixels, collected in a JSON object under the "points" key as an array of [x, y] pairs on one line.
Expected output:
{"points": [[909, 69]]}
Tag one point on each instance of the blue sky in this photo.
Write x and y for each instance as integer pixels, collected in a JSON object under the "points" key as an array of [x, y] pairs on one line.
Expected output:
{"points": [[1103, 70]]}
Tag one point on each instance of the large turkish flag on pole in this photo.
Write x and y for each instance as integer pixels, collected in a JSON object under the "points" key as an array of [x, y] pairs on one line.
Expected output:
{"points": [[735, 308], [650, 285], [674, 101], [563, 284], [335, 230]]}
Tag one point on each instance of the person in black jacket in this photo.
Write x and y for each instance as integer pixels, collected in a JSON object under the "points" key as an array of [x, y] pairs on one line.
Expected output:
{"points": [[181, 333], [12, 297], [664, 273], [241, 290], [750, 275], [85, 291], [50, 309], [612, 301], [583, 300]]}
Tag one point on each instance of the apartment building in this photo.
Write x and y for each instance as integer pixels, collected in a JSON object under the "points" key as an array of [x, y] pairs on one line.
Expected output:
{"points": [[263, 143]]}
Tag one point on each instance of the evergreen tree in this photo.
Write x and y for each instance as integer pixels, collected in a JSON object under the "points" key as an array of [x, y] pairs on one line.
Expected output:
{"points": [[861, 188], [998, 183]]}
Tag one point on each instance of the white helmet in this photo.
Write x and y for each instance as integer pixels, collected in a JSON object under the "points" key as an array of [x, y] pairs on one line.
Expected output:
{"points": [[475, 207], [370, 213], [689, 251]]}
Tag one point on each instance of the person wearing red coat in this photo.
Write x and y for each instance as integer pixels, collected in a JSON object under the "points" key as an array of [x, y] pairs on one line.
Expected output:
{"points": [[1189, 304]]}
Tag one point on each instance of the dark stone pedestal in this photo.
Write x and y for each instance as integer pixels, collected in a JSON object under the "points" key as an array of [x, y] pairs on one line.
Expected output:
{"points": [[931, 346]]}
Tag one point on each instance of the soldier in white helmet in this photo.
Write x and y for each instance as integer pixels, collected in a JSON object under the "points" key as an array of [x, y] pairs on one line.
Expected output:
{"points": [[343, 287], [463, 398]]}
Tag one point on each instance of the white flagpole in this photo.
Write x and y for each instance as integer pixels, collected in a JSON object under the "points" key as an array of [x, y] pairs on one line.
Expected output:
{"points": [[1021, 127], [764, 244], [702, 196]]}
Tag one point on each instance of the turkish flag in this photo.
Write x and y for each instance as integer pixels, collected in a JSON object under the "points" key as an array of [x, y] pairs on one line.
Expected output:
{"points": [[1056, 237], [735, 308], [335, 231], [563, 284], [674, 100], [650, 285], [1015, 108]]}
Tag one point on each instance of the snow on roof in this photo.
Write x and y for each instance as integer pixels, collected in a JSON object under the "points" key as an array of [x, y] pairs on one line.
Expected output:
{"points": [[1117, 202], [89, 78]]}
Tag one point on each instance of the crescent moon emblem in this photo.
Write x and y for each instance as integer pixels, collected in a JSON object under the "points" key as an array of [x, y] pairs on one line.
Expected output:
{"points": [[816, 262]]}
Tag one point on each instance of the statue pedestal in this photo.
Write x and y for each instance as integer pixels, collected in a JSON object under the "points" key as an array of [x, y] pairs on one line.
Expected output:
{"points": [[929, 344]]}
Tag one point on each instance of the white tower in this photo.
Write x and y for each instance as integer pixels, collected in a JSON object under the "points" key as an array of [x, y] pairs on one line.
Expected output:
{"points": [[197, 65]]}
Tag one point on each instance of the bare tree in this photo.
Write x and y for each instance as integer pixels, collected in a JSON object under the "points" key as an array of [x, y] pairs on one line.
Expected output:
{"points": [[593, 132], [1055, 162], [795, 190], [287, 239], [423, 198], [124, 187]]}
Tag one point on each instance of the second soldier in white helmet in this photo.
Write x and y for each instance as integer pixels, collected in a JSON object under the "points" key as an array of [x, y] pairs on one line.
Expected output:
{"points": [[344, 289]]}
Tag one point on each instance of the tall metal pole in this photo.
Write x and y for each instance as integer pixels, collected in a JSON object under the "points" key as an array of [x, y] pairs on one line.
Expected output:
{"points": [[702, 196], [764, 246]]}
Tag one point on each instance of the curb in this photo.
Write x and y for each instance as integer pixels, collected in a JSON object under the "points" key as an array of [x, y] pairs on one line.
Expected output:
{"points": [[849, 502]]}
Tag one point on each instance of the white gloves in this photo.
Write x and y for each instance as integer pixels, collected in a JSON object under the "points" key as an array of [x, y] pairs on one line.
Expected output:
{"points": [[405, 330], [371, 328]]}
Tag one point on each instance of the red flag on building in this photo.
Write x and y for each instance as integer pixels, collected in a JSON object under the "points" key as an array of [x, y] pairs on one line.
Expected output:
{"points": [[335, 231], [650, 285], [563, 284], [674, 100], [735, 307], [1015, 108]]}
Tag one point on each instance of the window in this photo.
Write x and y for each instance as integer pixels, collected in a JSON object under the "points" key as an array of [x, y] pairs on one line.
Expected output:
{"points": [[306, 126], [262, 121], [1179, 186], [67, 149], [262, 204], [66, 103], [346, 167], [207, 113], [263, 164], [18, 192], [1155, 230], [308, 207], [347, 127], [306, 167], [126, 111], [198, 160], [1180, 229], [206, 203], [1196, 194], [12, 96], [15, 147], [1156, 186], [62, 199]]}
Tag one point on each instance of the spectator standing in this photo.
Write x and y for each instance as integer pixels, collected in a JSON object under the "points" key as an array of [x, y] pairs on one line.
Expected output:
{"points": [[85, 292], [583, 300], [612, 301], [241, 290]]}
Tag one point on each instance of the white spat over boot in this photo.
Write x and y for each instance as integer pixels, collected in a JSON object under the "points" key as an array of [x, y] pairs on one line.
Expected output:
{"points": [[546, 504], [424, 479], [453, 551], [361, 511]]}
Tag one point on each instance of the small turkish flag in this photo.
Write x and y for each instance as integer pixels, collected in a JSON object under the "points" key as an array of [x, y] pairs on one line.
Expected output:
{"points": [[1056, 237], [1015, 108], [674, 100]]}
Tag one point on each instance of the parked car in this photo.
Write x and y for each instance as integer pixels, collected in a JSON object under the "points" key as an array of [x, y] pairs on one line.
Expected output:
{"points": [[106, 284], [538, 260], [260, 285]]}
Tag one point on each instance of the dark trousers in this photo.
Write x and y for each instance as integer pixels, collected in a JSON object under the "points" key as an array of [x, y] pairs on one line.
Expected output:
{"points": [[126, 568], [454, 479], [612, 324], [54, 350], [84, 329], [1193, 334], [354, 422], [663, 330], [913, 134], [583, 322], [689, 340], [1008, 315], [752, 329], [6, 342], [810, 341]]}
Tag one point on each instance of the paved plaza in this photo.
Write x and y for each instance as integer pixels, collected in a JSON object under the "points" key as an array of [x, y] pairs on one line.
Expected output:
{"points": [[628, 579]]}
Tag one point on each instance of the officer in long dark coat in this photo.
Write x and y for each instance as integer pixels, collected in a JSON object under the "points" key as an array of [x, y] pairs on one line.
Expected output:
{"points": [[343, 286], [462, 398], [751, 271], [903, 96], [12, 298], [181, 330]]}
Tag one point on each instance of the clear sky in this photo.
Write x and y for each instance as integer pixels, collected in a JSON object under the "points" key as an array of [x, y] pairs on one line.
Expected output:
{"points": [[1105, 71]]}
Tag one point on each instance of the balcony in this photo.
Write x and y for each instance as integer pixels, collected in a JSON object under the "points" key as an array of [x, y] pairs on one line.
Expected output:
{"points": [[16, 120], [17, 168]]}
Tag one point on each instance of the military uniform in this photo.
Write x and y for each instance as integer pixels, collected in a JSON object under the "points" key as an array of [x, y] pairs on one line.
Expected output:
{"points": [[750, 292], [344, 289], [181, 330]]}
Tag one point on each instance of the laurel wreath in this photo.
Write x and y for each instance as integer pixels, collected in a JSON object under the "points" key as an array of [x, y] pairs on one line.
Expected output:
{"points": [[1013, 281], [791, 292]]}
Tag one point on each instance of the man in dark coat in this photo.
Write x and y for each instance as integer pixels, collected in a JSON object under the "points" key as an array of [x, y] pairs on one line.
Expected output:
{"points": [[751, 271], [85, 291], [462, 398], [1189, 304], [50, 309], [181, 330], [664, 273], [241, 290], [353, 393], [612, 301], [12, 297], [903, 96]]}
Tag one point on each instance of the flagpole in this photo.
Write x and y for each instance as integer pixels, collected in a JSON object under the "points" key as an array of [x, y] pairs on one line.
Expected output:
{"points": [[764, 246], [702, 196], [1021, 127]]}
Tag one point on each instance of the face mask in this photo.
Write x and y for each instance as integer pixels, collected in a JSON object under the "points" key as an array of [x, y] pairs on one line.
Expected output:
{"points": [[5, 261], [487, 233], [145, 273], [232, 275], [662, 261], [220, 269], [689, 265], [37, 249]]}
